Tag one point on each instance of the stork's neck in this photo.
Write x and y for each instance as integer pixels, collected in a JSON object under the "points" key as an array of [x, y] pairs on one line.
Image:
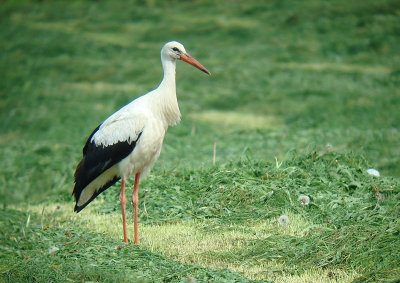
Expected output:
{"points": [[167, 93], [169, 67]]}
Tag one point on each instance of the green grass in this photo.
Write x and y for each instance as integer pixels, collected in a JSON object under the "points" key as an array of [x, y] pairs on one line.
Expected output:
{"points": [[303, 99]]}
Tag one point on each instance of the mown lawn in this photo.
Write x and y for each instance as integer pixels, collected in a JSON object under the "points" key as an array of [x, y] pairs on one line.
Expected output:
{"points": [[304, 97]]}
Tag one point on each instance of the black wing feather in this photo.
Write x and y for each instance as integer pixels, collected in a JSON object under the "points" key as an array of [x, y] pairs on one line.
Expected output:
{"points": [[99, 191], [88, 140], [96, 160]]}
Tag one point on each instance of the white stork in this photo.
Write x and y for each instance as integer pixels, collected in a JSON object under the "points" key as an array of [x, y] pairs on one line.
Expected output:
{"points": [[130, 140]]}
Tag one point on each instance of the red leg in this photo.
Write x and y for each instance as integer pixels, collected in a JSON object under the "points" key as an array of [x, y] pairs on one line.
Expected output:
{"points": [[135, 204], [122, 199]]}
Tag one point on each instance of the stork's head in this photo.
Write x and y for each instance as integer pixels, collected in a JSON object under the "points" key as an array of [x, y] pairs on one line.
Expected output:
{"points": [[176, 51]]}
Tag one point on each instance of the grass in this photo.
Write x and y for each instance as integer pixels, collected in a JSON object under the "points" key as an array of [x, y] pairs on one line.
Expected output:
{"points": [[303, 99]]}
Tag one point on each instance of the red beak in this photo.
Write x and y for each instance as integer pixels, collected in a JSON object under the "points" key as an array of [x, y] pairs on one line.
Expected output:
{"points": [[189, 59]]}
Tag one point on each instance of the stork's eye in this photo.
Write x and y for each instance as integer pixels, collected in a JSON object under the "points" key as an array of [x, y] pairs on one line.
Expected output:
{"points": [[175, 49]]}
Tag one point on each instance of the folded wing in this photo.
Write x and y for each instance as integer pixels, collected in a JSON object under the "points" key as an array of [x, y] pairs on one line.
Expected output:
{"points": [[108, 144]]}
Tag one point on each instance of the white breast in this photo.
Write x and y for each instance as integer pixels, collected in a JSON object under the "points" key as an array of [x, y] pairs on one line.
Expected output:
{"points": [[147, 150]]}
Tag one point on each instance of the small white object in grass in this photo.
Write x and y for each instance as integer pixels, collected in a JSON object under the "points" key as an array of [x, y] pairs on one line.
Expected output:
{"points": [[328, 147], [283, 220], [53, 250], [373, 172], [304, 200]]}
